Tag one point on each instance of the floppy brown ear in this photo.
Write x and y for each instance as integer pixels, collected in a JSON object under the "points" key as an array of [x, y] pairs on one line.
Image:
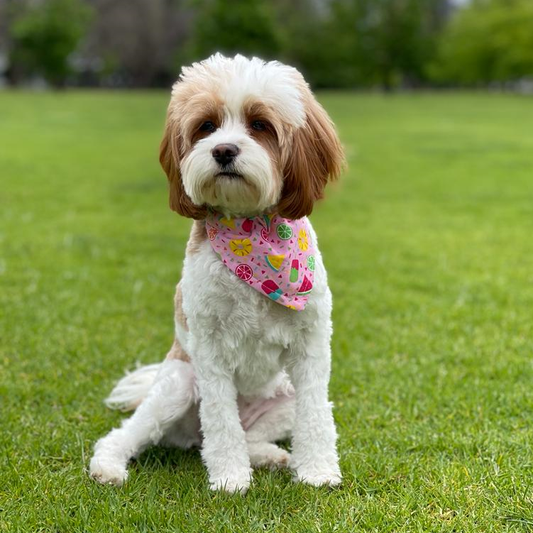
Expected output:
{"points": [[169, 157], [316, 157]]}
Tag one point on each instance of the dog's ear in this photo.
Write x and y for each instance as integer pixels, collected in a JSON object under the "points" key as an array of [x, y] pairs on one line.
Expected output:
{"points": [[316, 157], [169, 157]]}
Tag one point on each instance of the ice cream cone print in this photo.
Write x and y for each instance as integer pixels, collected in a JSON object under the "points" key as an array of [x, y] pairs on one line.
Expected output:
{"points": [[295, 265]]}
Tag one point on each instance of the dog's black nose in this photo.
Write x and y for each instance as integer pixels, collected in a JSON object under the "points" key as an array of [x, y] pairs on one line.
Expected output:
{"points": [[224, 154]]}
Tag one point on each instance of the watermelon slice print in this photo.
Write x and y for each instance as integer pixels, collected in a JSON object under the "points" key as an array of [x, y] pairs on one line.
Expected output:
{"points": [[274, 261], [306, 287], [264, 234]]}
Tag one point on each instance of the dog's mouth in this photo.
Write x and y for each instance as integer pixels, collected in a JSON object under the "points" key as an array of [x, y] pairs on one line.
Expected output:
{"points": [[229, 175]]}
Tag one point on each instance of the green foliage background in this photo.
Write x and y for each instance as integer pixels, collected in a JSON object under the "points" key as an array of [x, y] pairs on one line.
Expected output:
{"points": [[231, 28], [487, 42], [45, 34], [336, 43]]}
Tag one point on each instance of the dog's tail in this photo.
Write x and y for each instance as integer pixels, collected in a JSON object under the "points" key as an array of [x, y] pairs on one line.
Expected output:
{"points": [[132, 389]]}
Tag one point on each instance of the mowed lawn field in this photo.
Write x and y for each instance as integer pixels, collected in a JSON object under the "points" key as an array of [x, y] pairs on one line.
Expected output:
{"points": [[428, 240]]}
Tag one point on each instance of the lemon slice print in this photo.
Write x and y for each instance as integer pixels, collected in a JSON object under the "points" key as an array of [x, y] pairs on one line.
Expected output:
{"points": [[229, 222], [240, 247], [303, 240]]}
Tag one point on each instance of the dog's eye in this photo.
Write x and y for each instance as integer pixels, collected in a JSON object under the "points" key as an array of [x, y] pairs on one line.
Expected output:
{"points": [[208, 127], [258, 125]]}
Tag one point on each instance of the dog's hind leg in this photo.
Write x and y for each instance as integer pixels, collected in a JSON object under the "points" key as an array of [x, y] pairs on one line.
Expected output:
{"points": [[167, 401], [274, 425]]}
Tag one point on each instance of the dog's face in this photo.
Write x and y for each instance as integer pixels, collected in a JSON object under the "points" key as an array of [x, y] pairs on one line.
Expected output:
{"points": [[246, 137]]}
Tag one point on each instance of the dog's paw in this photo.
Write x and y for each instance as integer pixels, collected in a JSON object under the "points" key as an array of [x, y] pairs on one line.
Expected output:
{"points": [[108, 471], [269, 455], [231, 484], [318, 476]]}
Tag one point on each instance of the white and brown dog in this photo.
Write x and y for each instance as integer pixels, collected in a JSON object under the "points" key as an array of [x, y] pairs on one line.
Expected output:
{"points": [[247, 149]]}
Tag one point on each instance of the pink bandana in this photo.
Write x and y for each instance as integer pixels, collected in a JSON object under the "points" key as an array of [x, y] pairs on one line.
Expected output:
{"points": [[272, 254]]}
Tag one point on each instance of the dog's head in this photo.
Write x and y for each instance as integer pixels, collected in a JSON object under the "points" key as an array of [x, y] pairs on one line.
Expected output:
{"points": [[246, 137]]}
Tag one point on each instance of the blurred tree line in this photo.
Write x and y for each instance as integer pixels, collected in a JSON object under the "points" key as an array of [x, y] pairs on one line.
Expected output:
{"points": [[336, 43]]}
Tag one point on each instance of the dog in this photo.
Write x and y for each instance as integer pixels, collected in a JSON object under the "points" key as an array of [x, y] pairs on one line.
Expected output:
{"points": [[247, 151]]}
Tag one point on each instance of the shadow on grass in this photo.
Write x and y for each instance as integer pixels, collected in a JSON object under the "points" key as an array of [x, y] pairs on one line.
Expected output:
{"points": [[159, 457]]}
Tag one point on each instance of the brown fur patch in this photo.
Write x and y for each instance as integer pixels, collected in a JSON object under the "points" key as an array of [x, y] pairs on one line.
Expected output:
{"points": [[197, 236], [315, 157], [190, 106], [274, 133], [169, 157], [176, 351], [179, 315]]}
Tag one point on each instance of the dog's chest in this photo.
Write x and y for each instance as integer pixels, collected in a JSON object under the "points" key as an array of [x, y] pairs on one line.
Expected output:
{"points": [[246, 332]]}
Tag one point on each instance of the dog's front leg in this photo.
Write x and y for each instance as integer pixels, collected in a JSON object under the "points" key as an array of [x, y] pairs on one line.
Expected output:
{"points": [[314, 455], [224, 448]]}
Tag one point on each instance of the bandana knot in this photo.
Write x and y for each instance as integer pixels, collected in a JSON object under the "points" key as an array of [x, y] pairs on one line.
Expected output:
{"points": [[274, 255]]}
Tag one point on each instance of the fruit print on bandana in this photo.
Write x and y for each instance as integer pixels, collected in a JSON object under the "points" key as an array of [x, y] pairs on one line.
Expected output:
{"points": [[274, 255], [244, 272], [303, 241], [240, 247]]}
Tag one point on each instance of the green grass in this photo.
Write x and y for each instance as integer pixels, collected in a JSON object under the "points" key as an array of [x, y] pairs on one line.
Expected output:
{"points": [[429, 244]]}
